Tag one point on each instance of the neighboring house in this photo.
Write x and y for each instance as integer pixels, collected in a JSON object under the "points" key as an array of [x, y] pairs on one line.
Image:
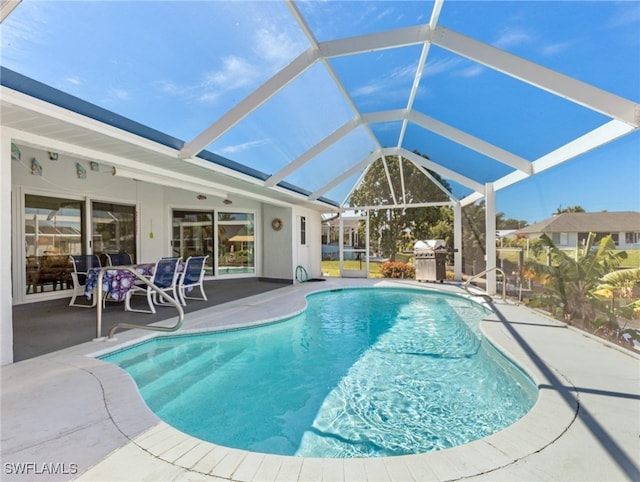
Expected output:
{"points": [[353, 242], [567, 230]]}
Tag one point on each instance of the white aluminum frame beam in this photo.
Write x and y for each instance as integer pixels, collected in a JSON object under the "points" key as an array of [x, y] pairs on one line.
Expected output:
{"points": [[435, 167], [473, 143], [389, 182], [6, 7], [307, 156], [399, 206], [336, 79], [250, 103], [598, 137], [389, 39], [534, 74], [345, 175], [435, 15], [621, 109]]}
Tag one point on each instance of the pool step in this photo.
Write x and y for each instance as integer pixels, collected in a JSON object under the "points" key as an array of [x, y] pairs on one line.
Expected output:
{"points": [[165, 359], [164, 390]]}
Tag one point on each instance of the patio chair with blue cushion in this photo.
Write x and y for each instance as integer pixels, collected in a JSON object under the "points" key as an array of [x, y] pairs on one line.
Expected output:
{"points": [[164, 278], [192, 277], [119, 259], [82, 263]]}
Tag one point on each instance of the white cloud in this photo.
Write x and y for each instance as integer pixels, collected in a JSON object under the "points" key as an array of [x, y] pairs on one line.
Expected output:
{"points": [[119, 94], [384, 14], [368, 89], [435, 67], [236, 72], [512, 38], [554, 49], [471, 71], [242, 147], [277, 48], [272, 49], [627, 13], [72, 79], [386, 83]]}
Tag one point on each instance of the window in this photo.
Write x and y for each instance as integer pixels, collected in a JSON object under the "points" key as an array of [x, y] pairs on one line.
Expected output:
{"points": [[53, 231], [632, 238], [236, 243], [303, 230]]}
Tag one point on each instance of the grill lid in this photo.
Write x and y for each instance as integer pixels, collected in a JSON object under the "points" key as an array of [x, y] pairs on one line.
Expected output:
{"points": [[429, 245]]}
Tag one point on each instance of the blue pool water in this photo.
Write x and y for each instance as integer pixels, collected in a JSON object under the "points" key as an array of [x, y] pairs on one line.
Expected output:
{"points": [[360, 373]]}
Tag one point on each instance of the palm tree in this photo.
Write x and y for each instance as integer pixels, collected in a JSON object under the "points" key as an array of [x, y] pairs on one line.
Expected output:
{"points": [[570, 281], [570, 209], [620, 283]]}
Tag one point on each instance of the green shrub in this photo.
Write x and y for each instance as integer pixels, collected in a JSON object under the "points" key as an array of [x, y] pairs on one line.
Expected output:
{"points": [[396, 269]]}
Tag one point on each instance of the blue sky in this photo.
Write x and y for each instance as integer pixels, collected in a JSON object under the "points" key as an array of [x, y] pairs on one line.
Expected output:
{"points": [[179, 66]]}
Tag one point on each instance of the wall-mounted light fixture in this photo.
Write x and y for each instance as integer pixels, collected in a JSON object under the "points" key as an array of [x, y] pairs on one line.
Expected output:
{"points": [[227, 201], [36, 168], [94, 166], [53, 156], [15, 152], [81, 172], [201, 197]]}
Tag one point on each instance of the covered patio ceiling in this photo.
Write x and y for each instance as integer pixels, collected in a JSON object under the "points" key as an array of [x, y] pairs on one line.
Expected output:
{"points": [[322, 96]]}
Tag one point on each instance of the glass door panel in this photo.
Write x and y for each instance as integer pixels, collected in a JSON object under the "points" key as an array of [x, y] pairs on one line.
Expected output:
{"points": [[53, 231], [236, 243], [114, 229], [193, 235]]}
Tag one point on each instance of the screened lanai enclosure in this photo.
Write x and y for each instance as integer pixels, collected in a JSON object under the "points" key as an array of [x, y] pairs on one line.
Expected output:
{"points": [[288, 105]]}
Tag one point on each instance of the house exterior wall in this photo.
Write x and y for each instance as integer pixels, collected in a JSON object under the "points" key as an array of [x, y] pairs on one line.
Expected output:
{"points": [[307, 252], [6, 320], [276, 247], [276, 252], [622, 239]]}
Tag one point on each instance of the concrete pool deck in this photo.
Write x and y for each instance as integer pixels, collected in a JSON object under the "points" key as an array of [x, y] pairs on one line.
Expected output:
{"points": [[69, 416]]}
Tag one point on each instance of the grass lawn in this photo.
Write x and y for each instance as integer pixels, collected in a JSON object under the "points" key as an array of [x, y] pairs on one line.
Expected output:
{"points": [[332, 268], [632, 261]]}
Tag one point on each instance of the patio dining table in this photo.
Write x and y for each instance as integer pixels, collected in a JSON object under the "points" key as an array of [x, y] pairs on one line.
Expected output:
{"points": [[115, 282]]}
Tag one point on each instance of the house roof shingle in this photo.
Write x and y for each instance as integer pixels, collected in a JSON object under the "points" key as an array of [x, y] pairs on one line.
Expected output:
{"points": [[602, 222]]}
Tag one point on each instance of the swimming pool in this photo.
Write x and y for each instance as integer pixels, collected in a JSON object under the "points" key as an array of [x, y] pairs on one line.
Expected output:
{"points": [[360, 373]]}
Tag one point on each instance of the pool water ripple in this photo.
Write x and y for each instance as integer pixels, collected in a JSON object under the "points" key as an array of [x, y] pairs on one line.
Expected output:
{"points": [[360, 373]]}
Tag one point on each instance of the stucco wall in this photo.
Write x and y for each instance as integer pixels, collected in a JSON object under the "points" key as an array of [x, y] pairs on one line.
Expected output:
{"points": [[276, 251], [6, 320], [309, 254]]}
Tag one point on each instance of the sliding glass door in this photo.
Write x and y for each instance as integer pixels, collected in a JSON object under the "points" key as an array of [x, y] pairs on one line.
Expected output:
{"points": [[113, 229], [53, 230], [236, 253], [193, 235]]}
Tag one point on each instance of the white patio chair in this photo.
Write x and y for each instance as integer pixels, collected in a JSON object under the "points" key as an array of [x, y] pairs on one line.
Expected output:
{"points": [[165, 278], [192, 277], [82, 263]]}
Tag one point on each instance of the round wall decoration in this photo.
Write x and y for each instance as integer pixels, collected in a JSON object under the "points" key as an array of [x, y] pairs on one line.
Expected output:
{"points": [[276, 224]]}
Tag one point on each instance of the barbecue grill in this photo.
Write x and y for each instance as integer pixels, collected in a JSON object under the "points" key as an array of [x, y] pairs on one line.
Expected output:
{"points": [[430, 258]]}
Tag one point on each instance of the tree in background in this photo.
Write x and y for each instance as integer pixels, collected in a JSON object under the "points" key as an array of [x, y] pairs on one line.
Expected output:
{"points": [[474, 235], [394, 230], [571, 282], [569, 209]]}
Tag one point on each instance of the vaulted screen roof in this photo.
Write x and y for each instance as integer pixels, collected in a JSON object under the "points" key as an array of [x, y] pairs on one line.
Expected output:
{"points": [[301, 97]]}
